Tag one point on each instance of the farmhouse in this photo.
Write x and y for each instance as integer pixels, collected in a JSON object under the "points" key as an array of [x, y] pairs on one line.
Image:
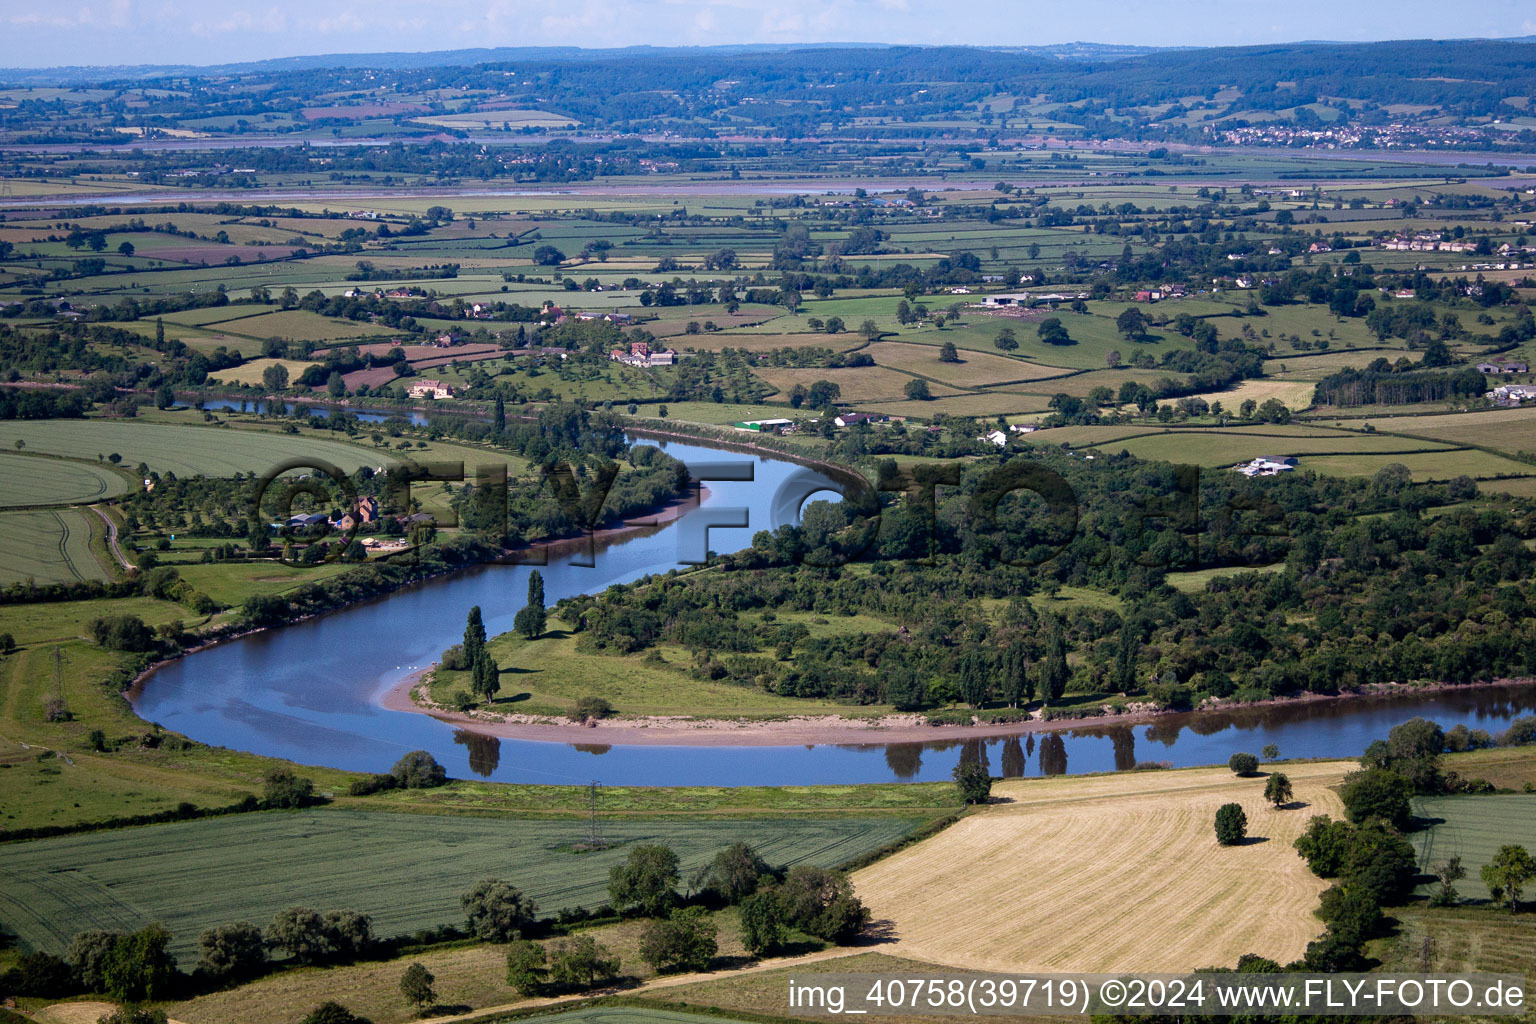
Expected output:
{"points": [[997, 437], [433, 389], [849, 419], [1267, 465], [640, 354]]}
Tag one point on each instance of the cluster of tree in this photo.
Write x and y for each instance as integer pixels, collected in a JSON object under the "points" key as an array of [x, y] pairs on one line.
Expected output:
{"points": [[1351, 387]]}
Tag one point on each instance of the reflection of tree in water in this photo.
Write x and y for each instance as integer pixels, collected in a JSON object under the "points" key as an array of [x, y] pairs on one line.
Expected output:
{"points": [[975, 750], [1013, 758], [596, 749], [1053, 755], [1125, 747], [484, 751], [1164, 731], [1029, 745], [904, 760]]}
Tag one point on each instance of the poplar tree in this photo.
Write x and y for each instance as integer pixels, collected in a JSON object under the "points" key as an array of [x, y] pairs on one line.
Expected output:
{"points": [[530, 621], [474, 636]]}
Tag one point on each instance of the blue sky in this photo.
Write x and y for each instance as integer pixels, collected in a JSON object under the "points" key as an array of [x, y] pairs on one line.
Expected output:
{"points": [[37, 33]]}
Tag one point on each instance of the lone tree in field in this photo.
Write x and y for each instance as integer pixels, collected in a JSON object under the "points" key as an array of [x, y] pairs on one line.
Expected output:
{"points": [[1448, 873], [1231, 824], [1132, 323], [416, 986], [1507, 874], [1278, 790], [974, 782], [531, 618], [497, 911], [1243, 764], [474, 636], [948, 353]]}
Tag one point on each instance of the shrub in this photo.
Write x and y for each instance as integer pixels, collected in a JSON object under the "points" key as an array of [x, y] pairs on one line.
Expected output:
{"points": [[973, 781], [454, 659], [371, 784], [282, 788], [497, 911], [1243, 764], [332, 1012], [593, 707], [123, 633], [418, 770], [1231, 824], [134, 1015]]}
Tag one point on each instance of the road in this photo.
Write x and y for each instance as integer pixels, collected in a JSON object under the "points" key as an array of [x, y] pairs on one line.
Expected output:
{"points": [[112, 545]]}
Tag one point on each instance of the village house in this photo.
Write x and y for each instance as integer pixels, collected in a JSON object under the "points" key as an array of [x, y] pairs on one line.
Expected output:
{"points": [[997, 437]]}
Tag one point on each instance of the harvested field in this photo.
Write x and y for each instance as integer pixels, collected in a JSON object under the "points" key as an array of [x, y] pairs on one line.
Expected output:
{"points": [[1049, 880], [251, 372], [1472, 828], [1294, 395]]}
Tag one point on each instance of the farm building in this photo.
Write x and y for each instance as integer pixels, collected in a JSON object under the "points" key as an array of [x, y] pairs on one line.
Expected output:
{"points": [[1504, 367], [777, 426], [1512, 394], [1267, 465]]}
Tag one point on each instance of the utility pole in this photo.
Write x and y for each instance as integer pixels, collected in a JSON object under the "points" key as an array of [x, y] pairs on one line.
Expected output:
{"points": [[594, 832]]}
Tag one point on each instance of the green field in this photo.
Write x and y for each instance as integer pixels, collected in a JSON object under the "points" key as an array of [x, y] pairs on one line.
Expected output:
{"points": [[27, 481], [407, 870], [49, 546], [1472, 828], [183, 450]]}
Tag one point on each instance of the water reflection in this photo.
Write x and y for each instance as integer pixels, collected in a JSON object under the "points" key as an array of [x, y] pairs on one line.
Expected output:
{"points": [[1014, 762], [484, 751], [595, 749], [1125, 747], [1053, 754], [904, 760]]}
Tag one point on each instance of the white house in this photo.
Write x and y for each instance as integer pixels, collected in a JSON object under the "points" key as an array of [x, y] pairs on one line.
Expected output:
{"points": [[1267, 465]]}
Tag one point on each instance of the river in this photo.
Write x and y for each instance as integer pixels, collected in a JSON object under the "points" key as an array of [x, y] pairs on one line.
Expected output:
{"points": [[310, 692]]}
